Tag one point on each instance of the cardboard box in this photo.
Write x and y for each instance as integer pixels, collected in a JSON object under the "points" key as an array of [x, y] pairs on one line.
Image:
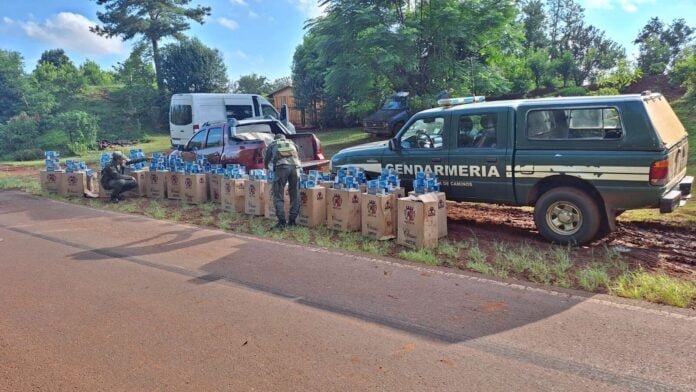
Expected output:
{"points": [[215, 183], [255, 197], [441, 213], [343, 212], [141, 177], [312, 206], [76, 184], [50, 181], [379, 216], [417, 221], [157, 185], [232, 197], [269, 208], [175, 185], [195, 188]]}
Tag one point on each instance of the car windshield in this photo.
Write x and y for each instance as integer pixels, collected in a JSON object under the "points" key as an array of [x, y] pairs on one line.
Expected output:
{"points": [[394, 103]]}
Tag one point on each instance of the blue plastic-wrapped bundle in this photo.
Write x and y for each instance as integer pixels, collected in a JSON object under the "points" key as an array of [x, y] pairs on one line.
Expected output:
{"points": [[258, 174], [52, 160], [426, 182], [135, 154]]}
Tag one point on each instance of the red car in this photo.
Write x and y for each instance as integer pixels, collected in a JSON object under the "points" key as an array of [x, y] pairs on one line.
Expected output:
{"points": [[243, 142]]}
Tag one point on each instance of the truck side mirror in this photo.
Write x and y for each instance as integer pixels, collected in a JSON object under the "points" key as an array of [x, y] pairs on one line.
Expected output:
{"points": [[180, 147], [284, 114], [395, 144]]}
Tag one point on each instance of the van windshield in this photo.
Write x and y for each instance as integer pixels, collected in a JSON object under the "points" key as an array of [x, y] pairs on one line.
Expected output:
{"points": [[240, 112], [394, 103], [180, 114]]}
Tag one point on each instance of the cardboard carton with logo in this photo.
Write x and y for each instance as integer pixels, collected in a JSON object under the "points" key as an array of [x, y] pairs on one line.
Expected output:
{"points": [[255, 197], [232, 197], [76, 184], [175, 185], [50, 180], [441, 213], [141, 177], [157, 185], [269, 208], [417, 221], [215, 182], [379, 216], [195, 188], [343, 210], [312, 206]]}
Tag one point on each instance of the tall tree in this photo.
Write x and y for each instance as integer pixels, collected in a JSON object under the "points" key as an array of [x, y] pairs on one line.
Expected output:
{"points": [[138, 95], [57, 57], [191, 67], [660, 45], [13, 85], [152, 19], [534, 19], [251, 84]]}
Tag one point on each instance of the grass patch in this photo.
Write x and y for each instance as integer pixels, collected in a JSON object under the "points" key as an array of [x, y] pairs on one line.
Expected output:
{"points": [[655, 288], [334, 140], [155, 210], [480, 267], [447, 249], [425, 256], [592, 277], [29, 184], [376, 248]]}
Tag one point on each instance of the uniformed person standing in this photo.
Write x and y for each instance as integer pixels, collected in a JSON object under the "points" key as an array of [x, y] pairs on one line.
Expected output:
{"points": [[283, 158], [113, 179]]}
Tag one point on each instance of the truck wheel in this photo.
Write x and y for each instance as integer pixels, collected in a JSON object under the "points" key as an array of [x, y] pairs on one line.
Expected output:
{"points": [[567, 215], [397, 128]]}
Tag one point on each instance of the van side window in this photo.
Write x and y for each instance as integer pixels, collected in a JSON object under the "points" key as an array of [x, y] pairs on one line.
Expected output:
{"points": [[575, 124], [267, 110], [214, 138], [478, 131], [239, 112]]}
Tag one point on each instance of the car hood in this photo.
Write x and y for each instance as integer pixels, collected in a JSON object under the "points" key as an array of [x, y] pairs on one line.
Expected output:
{"points": [[367, 147], [383, 115]]}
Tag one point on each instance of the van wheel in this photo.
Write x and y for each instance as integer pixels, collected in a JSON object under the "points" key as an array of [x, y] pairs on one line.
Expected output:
{"points": [[567, 215], [396, 128]]}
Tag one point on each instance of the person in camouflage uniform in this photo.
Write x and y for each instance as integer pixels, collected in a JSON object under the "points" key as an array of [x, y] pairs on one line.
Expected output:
{"points": [[113, 179], [282, 156]]}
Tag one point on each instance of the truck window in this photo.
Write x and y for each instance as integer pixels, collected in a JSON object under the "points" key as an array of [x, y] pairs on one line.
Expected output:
{"points": [[214, 138], [424, 133], [478, 131], [239, 112], [575, 124], [180, 114], [267, 110], [197, 141]]}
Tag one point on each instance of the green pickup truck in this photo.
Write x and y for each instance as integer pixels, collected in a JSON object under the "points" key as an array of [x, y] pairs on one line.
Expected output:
{"points": [[580, 161]]}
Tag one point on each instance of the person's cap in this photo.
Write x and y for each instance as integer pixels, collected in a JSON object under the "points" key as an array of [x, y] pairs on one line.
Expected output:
{"points": [[116, 155]]}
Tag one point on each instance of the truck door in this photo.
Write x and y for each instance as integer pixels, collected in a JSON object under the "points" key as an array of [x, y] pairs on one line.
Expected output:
{"points": [[420, 146], [214, 145], [478, 158]]}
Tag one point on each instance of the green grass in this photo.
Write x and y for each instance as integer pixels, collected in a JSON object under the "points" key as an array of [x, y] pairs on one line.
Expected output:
{"points": [[424, 256], [593, 277], [334, 140], [29, 184], [655, 288], [158, 143], [155, 210]]}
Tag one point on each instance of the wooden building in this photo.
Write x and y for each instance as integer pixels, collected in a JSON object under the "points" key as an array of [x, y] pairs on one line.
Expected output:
{"points": [[298, 115]]}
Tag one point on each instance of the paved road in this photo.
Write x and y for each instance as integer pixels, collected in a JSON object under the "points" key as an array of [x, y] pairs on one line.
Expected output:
{"points": [[93, 300]]}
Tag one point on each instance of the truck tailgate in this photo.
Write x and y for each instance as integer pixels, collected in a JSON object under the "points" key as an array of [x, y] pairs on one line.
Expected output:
{"points": [[307, 149]]}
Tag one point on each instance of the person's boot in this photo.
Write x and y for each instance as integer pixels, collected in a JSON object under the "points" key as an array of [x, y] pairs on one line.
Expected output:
{"points": [[114, 199], [280, 225], [292, 222]]}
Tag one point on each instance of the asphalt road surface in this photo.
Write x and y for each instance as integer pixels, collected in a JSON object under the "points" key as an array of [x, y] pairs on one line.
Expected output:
{"points": [[93, 300]]}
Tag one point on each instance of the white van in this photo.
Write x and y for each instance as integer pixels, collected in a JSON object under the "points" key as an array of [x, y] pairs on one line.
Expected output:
{"points": [[188, 112]]}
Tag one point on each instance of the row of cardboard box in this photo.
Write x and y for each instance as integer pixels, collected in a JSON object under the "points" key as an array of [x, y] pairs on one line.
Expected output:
{"points": [[415, 220]]}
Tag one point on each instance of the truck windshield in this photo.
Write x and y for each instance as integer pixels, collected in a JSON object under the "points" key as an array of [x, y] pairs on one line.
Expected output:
{"points": [[394, 103]]}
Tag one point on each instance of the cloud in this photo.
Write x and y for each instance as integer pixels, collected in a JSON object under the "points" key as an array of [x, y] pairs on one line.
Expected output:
{"points": [[310, 8], [253, 15], [229, 23], [599, 4], [238, 2], [68, 30], [239, 54]]}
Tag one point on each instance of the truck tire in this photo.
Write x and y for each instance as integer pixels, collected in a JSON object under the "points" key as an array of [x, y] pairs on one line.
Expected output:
{"points": [[396, 128], [567, 215]]}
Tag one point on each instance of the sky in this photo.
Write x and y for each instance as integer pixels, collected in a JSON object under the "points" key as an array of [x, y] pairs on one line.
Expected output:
{"points": [[256, 36]]}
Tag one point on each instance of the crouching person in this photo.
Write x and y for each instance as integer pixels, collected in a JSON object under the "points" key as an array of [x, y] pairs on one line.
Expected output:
{"points": [[113, 179]]}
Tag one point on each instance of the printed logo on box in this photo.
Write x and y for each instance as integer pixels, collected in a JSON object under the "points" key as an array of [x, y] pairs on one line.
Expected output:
{"points": [[252, 190], [188, 183], [174, 179], [201, 180], [51, 178], [441, 204], [432, 211], [388, 205], [72, 180], [410, 214], [153, 178], [303, 198], [228, 187], [372, 208], [337, 201], [355, 199], [320, 196]]}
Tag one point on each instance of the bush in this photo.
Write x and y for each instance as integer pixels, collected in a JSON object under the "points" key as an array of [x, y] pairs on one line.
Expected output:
{"points": [[28, 154], [54, 141], [605, 91], [80, 128], [573, 91], [19, 133]]}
